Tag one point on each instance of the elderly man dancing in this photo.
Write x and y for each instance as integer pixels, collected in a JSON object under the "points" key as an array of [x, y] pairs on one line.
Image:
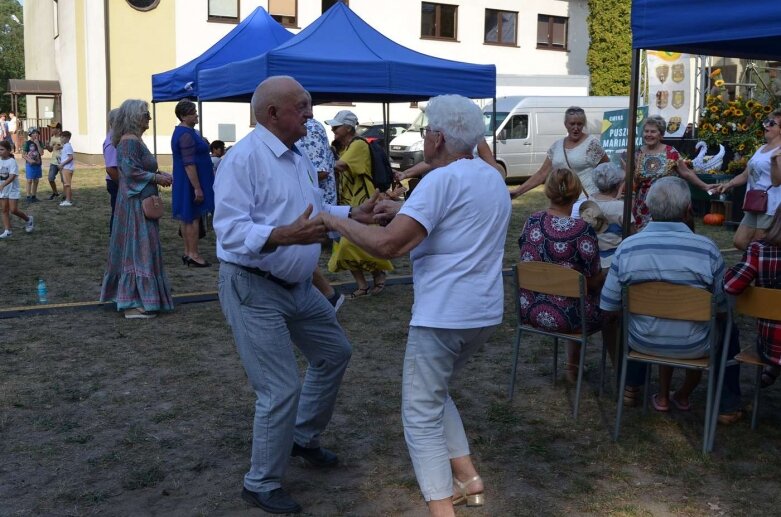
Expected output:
{"points": [[454, 226], [268, 247]]}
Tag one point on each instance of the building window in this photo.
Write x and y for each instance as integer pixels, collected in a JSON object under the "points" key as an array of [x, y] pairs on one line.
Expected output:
{"points": [[438, 21], [143, 5], [284, 11], [223, 11], [551, 32], [501, 27], [327, 4]]}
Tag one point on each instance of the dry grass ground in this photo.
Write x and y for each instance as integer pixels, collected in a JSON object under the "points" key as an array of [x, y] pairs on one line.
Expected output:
{"points": [[103, 416]]}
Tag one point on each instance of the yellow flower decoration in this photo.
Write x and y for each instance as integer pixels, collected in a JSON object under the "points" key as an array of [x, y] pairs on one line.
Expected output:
{"points": [[724, 131], [738, 113], [719, 83], [741, 147], [714, 109], [767, 109], [751, 104]]}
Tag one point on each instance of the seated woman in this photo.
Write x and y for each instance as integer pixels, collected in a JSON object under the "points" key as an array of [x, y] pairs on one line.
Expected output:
{"points": [[609, 178], [553, 235], [761, 264]]}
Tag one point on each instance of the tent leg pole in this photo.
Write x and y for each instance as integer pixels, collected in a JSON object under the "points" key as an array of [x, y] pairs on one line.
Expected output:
{"points": [[630, 144], [200, 117], [493, 124], [154, 128]]}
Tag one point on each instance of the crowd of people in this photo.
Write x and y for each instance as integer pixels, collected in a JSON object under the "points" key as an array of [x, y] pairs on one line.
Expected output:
{"points": [[283, 191]]}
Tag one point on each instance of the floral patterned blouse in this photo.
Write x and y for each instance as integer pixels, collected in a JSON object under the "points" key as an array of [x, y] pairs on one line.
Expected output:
{"points": [[315, 144], [566, 242]]}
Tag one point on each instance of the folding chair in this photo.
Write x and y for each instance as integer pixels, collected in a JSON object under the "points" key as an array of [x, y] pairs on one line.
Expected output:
{"points": [[764, 303], [552, 279], [675, 302]]}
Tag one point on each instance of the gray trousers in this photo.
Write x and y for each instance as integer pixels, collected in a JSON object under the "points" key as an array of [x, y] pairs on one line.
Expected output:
{"points": [[265, 317], [432, 425]]}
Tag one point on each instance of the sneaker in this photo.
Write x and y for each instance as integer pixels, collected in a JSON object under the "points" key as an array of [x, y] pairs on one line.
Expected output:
{"points": [[34, 199], [5, 234], [66, 203], [54, 195], [30, 225], [28, 199]]}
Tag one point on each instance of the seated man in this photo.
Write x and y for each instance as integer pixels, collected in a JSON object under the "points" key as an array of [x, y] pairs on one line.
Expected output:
{"points": [[667, 250]]}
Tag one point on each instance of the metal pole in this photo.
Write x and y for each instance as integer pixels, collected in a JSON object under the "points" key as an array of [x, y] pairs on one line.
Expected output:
{"points": [[630, 145], [493, 124], [154, 128], [200, 117]]}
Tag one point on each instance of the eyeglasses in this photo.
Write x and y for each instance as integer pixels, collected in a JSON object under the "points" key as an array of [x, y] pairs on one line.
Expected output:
{"points": [[769, 122], [147, 115], [426, 129]]}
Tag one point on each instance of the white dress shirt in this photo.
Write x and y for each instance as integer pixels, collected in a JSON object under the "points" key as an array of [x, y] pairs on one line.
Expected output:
{"points": [[263, 184]]}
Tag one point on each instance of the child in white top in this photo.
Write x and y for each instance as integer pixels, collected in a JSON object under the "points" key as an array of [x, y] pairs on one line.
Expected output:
{"points": [[67, 167], [9, 191]]}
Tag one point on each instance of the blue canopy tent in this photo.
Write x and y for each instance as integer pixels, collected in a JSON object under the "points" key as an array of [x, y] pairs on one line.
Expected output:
{"points": [[710, 27], [369, 67], [255, 35]]}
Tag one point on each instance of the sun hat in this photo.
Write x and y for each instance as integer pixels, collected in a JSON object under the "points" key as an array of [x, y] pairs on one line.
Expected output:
{"points": [[54, 125], [343, 118]]}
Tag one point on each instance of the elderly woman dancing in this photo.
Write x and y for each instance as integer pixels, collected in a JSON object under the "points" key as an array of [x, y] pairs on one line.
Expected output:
{"points": [[454, 225], [134, 277]]}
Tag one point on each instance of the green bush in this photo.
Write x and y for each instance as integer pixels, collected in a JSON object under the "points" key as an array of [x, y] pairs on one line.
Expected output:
{"points": [[610, 52]]}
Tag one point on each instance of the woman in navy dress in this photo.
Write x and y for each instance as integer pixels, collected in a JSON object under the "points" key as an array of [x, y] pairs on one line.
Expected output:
{"points": [[193, 194]]}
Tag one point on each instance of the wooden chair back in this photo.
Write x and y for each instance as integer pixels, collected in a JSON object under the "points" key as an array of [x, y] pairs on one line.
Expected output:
{"points": [[760, 302], [547, 278], [669, 301]]}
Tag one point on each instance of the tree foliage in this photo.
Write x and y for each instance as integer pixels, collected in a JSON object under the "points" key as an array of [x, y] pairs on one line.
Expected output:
{"points": [[11, 48], [610, 52]]}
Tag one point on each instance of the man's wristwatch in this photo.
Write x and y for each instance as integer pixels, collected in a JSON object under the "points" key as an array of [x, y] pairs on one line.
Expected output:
{"points": [[350, 213]]}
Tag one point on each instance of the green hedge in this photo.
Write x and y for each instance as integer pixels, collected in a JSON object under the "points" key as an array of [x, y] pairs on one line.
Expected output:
{"points": [[610, 52]]}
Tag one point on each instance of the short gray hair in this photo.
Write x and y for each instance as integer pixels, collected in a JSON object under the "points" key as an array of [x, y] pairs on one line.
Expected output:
{"points": [[607, 176], [112, 117], [669, 199], [656, 121], [129, 119], [459, 119]]}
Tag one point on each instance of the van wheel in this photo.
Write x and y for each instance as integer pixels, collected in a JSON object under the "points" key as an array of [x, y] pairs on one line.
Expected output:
{"points": [[504, 169]]}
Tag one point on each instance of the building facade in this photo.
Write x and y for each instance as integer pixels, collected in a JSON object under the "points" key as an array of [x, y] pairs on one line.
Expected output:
{"points": [[105, 51]]}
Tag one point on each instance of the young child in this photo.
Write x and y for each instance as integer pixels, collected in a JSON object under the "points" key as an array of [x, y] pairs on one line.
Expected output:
{"points": [[31, 152], [55, 147], [67, 167], [217, 149], [9, 191]]}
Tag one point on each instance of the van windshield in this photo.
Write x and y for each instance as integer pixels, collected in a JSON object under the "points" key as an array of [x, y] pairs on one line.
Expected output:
{"points": [[420, 121], [500, 116]]}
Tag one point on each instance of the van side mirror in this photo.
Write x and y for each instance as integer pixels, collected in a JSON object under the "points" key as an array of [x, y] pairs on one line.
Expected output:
{"points": [[502, 135]]}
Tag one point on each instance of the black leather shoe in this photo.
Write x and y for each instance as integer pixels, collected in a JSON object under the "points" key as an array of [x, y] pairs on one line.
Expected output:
{"points": [[316, 456], [273, 501]]}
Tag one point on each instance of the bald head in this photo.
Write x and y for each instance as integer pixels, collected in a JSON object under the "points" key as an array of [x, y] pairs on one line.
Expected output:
{"points": [[282, 106]]}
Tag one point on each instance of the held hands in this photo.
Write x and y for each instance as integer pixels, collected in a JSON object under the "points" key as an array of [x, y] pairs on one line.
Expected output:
{"points": [[385, 210], [305, 230], [163, 179], [364, 212], [198, 198]]}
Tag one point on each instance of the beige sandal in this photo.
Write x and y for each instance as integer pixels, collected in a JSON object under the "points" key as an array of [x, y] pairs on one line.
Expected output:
{"points": [[477, 499]]}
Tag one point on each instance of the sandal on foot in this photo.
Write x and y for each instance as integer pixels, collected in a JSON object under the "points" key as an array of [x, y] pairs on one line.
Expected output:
{"points": [[678, 405], [631, 396], [732, 417], [464, 496], [769, 376], [658, 406], [378, 287], [359, 292]]}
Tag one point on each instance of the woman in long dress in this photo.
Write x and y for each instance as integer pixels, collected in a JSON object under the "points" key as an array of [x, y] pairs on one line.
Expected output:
{"points": [[355, 187], [134, 278]]}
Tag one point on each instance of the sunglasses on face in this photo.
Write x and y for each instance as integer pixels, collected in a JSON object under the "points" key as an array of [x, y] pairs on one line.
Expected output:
{"points": [[769, 122]]}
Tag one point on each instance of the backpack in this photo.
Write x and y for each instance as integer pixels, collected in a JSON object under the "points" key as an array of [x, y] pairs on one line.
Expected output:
{"points": [[382, 173]]}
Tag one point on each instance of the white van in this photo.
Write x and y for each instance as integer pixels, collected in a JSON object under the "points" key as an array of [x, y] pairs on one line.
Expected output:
{"points": [[407, 149], [528, 126]]}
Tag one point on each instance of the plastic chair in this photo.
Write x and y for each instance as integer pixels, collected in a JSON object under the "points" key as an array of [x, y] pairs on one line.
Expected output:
{"points": [[764, 303], [556, 280], [675, 302]]}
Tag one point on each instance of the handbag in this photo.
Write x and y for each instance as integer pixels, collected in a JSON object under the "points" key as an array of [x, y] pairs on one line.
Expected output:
{"points": [[755, 201], [151, 202]]}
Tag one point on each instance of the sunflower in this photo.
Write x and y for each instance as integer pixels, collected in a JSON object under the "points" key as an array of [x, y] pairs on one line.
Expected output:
{"points": [[751, 104], [767, 109], [719, 83], [741, 147], [724, 131], [738, 113], [714, 109]]}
